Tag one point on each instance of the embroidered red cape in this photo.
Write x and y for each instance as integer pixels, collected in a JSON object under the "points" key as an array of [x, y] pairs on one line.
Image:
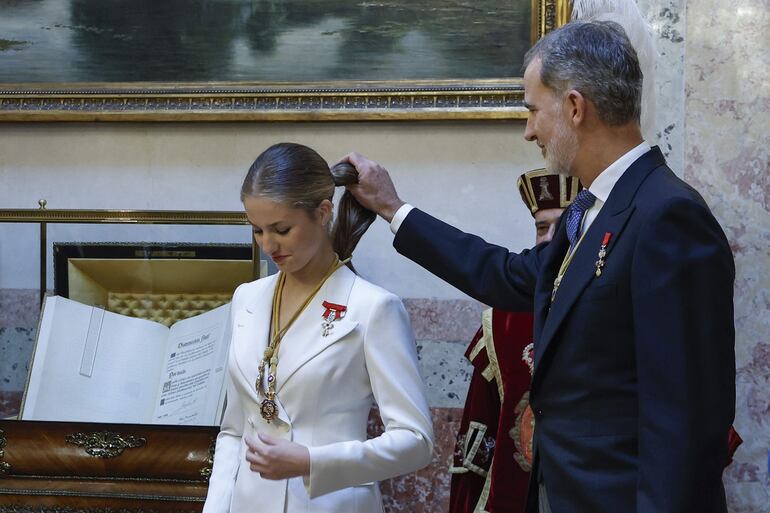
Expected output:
{"points": [[489, 470]]}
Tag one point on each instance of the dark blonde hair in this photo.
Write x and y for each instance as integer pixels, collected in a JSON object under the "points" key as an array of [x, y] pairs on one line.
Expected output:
{"points": [[298, 176]]}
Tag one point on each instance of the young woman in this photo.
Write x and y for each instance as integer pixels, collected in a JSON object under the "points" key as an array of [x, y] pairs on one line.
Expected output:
{"points": [[313, 348]]}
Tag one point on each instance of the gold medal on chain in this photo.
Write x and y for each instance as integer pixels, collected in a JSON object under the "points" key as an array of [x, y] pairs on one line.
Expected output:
{"points": [[267, 387]]}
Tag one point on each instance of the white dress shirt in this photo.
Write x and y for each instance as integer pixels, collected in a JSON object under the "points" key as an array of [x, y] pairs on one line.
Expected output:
{"points": [[604, 183]]}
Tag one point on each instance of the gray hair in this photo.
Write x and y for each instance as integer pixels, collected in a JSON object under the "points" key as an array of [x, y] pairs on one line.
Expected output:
{"points": [[596, 59]]}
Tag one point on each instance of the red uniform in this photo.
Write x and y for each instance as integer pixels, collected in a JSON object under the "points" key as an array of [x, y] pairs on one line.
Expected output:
{"points": [[492, 457]]}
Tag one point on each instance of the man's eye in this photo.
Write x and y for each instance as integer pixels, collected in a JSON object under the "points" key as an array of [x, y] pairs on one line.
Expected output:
{"points": [[257, 232], [282, 232]]}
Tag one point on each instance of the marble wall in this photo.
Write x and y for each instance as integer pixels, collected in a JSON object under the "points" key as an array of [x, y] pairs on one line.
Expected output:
{"points": [[727, 155], [667, 18]]}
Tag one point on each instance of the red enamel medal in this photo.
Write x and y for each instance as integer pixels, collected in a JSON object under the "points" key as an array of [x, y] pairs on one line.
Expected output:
{"points": [[602, 253], [333, 312]]}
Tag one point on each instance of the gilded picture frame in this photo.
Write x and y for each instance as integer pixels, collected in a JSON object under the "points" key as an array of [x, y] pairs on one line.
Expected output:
{"points": [[442, 98]]}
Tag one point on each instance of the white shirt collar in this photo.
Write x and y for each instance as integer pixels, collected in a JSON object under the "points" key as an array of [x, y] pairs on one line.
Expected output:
{"points": [[603, 184]]}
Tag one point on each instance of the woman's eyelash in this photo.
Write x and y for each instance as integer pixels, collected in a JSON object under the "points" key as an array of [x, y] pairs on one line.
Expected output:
{"points": [[279, 232]]}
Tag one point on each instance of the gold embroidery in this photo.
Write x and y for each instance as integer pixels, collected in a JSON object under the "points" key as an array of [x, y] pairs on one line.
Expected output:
{"points": [[484, 497], [471, 445], [489, 372], [479, 429], [545, 194], [524, 186], [477, 349], [486, 323], [516, 434], [529, 177]]}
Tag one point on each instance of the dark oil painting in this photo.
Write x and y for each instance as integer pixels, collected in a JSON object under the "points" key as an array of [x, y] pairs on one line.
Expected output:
{"points": [[67, 41]]}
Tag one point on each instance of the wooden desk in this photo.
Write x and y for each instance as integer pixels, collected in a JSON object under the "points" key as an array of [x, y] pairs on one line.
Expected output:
{"points": [[63, 466]]}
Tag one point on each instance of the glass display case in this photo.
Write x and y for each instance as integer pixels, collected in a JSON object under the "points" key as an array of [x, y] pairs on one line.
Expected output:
{"points": [[84, 295]]}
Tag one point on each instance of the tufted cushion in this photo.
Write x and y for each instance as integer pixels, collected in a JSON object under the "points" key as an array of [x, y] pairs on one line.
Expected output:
{"points": [[164, 308]]}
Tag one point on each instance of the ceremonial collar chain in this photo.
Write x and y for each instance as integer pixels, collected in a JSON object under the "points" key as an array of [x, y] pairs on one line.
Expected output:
{"points": [[565, 265], [269, 409]]}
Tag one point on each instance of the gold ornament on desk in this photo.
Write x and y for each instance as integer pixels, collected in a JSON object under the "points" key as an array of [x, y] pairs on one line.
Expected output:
{"points": [[105, 444]]}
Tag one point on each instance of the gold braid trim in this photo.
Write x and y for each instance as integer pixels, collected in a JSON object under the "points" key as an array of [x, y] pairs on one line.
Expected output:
{"points": [[489, 373], [484, 497], [493, 370], [477, 349], [470, 452]]}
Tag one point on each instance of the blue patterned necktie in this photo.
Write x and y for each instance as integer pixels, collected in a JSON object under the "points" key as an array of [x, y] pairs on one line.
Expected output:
{"points": [[582, 202]]}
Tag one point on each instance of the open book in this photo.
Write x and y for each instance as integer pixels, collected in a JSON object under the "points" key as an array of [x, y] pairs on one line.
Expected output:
{"points": [[90, 365]]}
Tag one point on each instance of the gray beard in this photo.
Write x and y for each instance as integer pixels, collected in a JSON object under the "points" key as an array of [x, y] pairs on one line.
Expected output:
{"points": [[561, 154]]}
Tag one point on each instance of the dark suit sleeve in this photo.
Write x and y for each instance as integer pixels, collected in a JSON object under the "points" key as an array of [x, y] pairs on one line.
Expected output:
{"points": [[682, 293], [484, 271]]}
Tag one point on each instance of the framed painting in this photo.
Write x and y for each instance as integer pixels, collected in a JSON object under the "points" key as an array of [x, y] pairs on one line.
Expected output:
{"points": [[272, 60]]}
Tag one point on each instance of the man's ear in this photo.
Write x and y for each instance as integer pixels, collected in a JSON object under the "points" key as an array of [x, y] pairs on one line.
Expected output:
{"points": [[575, 105]]}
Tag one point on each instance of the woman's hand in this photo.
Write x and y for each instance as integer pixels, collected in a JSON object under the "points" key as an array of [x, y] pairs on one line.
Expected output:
{"points": [[276, 458]]}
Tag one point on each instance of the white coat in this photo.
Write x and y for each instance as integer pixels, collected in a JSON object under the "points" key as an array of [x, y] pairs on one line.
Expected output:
{"points": [[325, 389]]}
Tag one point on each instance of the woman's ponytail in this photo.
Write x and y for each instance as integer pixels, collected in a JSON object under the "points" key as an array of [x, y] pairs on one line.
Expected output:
{"points": [[352, 219], [298, 176]]}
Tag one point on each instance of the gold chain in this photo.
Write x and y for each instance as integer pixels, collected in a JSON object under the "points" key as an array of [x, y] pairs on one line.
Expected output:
{"points": [[565, 264], [269, 408]]}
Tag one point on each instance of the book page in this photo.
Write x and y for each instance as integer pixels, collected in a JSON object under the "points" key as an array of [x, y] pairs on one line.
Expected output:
{"points": [[93, 366], [193, 371]]}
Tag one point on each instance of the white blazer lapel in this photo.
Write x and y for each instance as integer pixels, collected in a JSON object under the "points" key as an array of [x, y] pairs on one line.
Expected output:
{"points": [[308, 328], [251, 329], [250, 337]]}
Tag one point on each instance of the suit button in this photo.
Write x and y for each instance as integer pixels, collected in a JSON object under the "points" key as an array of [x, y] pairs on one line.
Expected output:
{"points": [[538, 413]]}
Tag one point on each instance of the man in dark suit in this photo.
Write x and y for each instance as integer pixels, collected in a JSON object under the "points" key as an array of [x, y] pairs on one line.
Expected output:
{"points": [[634, 379]]}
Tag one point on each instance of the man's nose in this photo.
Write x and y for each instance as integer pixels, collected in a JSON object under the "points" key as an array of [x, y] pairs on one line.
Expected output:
{"points": [[529, 132]]}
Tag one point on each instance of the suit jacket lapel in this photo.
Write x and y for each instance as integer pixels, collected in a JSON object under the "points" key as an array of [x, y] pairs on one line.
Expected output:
{"points": [[304, 340], [579, 274], [557, 248], [612, 218]]}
